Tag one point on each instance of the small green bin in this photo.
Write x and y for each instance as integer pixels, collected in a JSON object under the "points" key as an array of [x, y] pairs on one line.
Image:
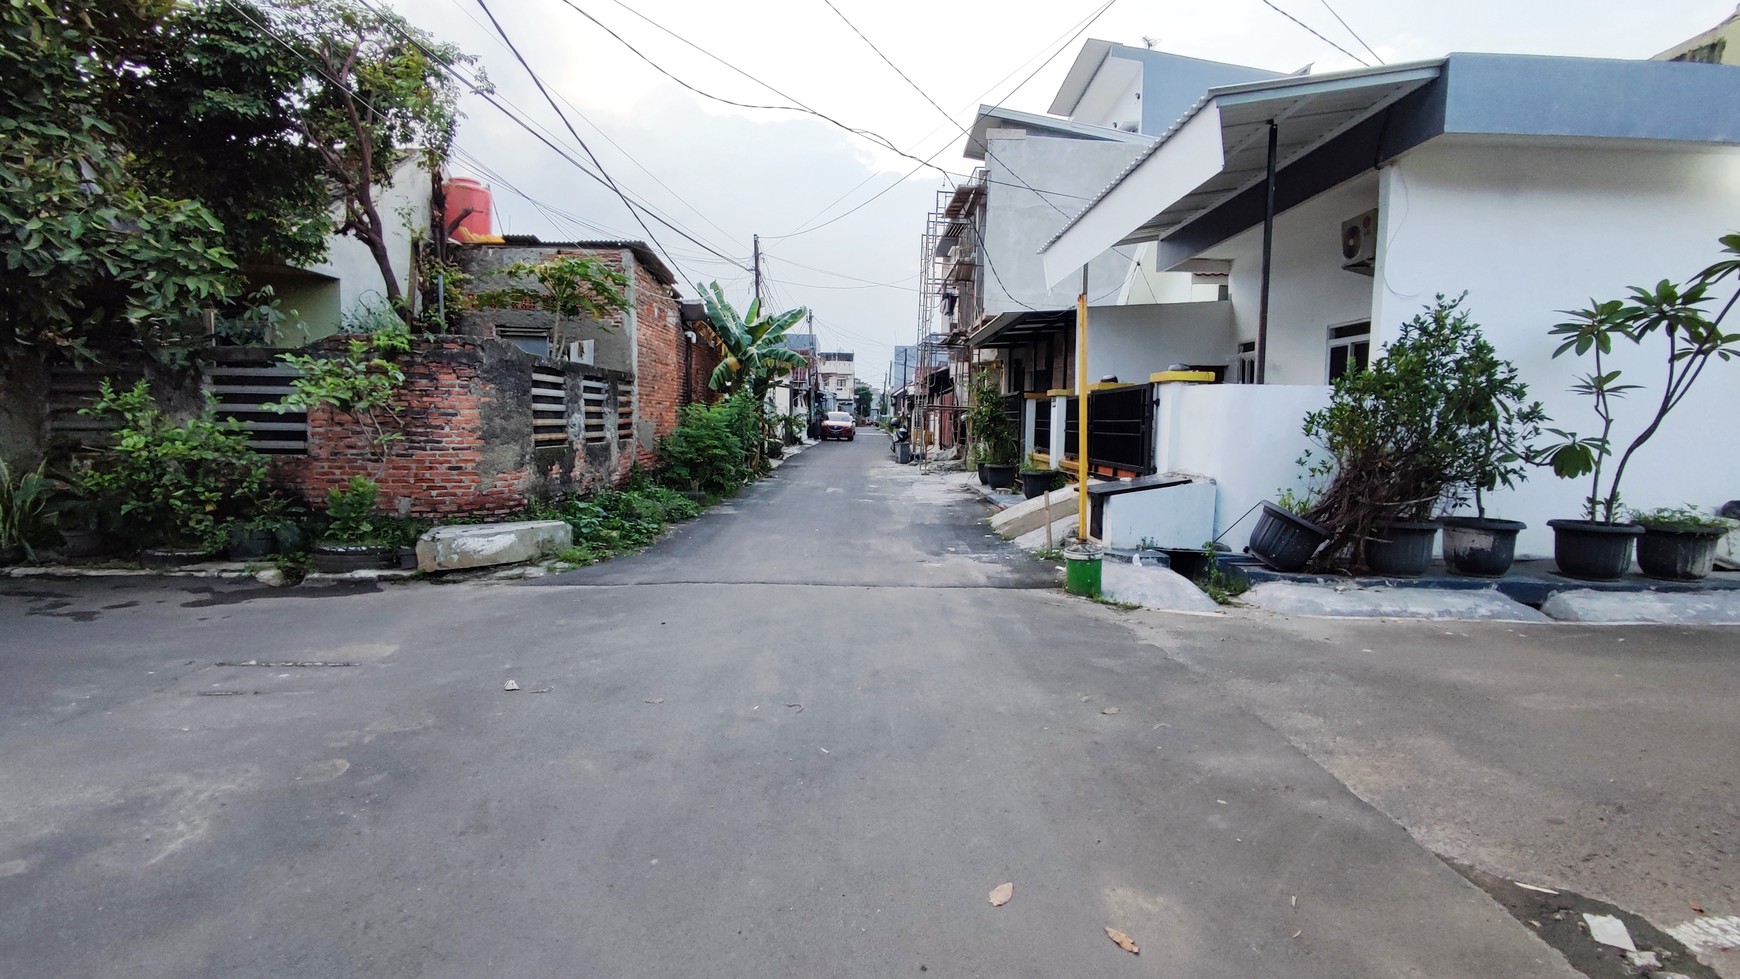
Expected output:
{"points": [[1082, 569]]}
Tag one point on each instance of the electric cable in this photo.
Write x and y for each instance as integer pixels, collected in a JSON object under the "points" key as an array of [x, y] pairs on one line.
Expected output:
{"points": [[1270, 4]]}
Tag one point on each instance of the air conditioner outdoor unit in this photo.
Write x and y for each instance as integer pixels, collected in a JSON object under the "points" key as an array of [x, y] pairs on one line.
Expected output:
{"points": [[581, 351], [1359, 242]]}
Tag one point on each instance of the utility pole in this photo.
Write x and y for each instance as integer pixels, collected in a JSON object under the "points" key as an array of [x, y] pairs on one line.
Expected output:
{"points": [[758, 269]]}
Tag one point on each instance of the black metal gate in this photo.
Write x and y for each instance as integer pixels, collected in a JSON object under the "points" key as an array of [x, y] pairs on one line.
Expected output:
{"points": [[1120, 429]]}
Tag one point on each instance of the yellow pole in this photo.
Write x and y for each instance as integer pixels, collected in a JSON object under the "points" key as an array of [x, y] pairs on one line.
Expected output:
{"points": [[1081, 392]]}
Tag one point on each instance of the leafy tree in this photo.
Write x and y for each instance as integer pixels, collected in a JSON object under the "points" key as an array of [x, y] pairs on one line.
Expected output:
{"points": [[208, 108], [90, 255], [362, 381], [752, 345], [378, 92], [862, 395]]}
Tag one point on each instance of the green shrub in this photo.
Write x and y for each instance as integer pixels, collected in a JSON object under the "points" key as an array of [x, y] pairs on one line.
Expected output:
{"points": [[711, 449], [173, 485], [28, 508], [616, 521], [350, 513]]}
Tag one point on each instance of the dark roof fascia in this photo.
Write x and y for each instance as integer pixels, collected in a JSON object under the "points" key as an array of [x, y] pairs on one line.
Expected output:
{"points": [[1411, 121], [1496, 95]]}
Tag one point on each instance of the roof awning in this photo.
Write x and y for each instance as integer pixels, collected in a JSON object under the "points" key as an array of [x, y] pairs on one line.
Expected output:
{"points": [[1221, 148], [1026, 326]]}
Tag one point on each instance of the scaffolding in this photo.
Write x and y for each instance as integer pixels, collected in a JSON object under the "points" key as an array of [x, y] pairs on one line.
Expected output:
{"points": [[951, 304]]}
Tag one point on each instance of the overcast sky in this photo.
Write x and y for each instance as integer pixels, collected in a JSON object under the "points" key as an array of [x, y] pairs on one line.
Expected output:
{"points": [[723, 174]]}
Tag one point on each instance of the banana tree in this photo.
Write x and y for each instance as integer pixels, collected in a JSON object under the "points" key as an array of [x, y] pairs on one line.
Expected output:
{"points": [[752, 346], [752, 349]]}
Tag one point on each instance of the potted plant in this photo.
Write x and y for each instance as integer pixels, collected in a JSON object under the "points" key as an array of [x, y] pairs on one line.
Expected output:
{"points": [[258, 534], [1395, 437], [1502, 427], [1037, 479], [1283, 539], [174, 486], [356, 537], [1679, 543], [996, 443], [28, 512], [1597, 546], [87, 520]]}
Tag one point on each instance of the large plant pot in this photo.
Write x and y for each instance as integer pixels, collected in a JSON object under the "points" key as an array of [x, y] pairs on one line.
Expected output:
{"points": [[999, 477], [1678, 555], [339, 558], [984, 476], [84, 543], [1037, 482], [251, 545], [1484, 547], [1400, 550], [11, 554], [1593, 551], [1284, 541]]}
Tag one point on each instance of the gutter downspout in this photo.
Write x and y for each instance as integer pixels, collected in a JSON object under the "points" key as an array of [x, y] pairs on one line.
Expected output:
{"points": [[1268, 258]]}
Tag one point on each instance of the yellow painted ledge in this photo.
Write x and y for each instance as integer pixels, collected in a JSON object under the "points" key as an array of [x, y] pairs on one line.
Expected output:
{"points": [[1197, 377], [1114, 385], [1060, 393]]}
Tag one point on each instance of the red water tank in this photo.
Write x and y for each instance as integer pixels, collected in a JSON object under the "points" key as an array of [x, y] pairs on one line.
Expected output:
{"points": [[465, 193]]}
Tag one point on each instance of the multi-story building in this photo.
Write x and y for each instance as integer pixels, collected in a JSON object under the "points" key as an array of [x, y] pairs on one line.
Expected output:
{"points": [[839, 377]]}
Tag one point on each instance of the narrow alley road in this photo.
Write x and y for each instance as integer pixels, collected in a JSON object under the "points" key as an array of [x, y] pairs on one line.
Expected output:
{"points": [[804, 736]]}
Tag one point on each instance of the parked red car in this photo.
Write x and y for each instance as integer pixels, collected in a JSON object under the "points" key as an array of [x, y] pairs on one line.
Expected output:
{"points": [[838, 425]]}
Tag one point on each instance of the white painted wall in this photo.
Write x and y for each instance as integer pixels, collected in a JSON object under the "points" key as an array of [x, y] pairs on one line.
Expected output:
{"points": [[1528, 230], [351, 263], [1147, 284], [1133, 342], [1018, 221], [1309, 290], [1243, 436], [1114, 97]]}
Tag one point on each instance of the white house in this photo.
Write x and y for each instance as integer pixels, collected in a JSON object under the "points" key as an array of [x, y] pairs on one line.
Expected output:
{"points": [[1531, 183]]}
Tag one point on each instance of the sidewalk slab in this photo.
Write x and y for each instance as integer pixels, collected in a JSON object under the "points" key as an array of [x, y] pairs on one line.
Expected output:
{"points": [[1353, 601], [1152, 587], [1669, 608]]}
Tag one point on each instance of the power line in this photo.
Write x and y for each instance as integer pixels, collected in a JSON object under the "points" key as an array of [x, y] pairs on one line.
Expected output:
{"points": [[806, 228], [1351, 31], [496, 102], [1320, 37]]}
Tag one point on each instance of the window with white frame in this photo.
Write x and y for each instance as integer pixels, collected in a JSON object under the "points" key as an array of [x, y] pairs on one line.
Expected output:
{"points": [[1349, 348], [1246, 362]]}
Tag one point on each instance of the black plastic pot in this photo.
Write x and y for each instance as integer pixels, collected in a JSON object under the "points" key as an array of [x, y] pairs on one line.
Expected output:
{"points": [[339, 558], [984, 476], [1400, 550], [251, 545], [84, 543], [1037, 482], [1678, 555], [1484, 547], [11, 554], [999, 477], [1593, 551], [407, 559], [1284, 541]]}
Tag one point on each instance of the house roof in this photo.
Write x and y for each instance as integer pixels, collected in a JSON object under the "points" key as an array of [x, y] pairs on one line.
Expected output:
{"points": [[1015, 328], [1215, 158], [642, 254], [1093, 55], [998, 117]]}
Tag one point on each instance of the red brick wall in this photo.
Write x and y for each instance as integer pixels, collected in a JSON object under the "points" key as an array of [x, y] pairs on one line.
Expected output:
{"points": [[658, 372], [443, 465]]}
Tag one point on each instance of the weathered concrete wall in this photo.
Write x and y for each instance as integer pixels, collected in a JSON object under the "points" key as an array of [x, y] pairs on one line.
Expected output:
{"points": [[23, 396], [613, 336], [466, 419]]}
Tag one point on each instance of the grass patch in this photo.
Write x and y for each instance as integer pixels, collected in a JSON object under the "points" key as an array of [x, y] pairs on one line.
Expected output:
{"points": [[614, 522], [1114, 603], [1217, 584]]}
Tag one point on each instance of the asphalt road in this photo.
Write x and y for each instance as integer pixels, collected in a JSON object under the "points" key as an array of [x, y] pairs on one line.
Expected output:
{"points": [[804, 736]]}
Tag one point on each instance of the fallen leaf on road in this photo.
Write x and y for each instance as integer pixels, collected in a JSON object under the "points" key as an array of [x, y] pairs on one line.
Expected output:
{"points": [[510, 685], [1123, 940], [1694, 907], [1109, 710], [1001, 894]]}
